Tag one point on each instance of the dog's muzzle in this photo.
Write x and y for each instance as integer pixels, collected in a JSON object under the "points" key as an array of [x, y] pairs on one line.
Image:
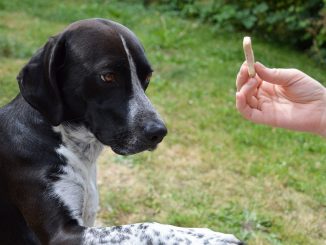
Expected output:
{"points": [[155, 132], [135, 141]]}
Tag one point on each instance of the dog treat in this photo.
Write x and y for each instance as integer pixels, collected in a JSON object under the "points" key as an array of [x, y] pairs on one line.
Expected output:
{"points": [[249, 54]]}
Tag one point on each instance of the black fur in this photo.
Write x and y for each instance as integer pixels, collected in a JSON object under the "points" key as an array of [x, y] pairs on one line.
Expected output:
{"points": [[62, 84]]}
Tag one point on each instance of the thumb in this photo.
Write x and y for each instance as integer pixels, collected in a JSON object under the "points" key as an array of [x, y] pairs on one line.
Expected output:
{"points": [[276, 75]]}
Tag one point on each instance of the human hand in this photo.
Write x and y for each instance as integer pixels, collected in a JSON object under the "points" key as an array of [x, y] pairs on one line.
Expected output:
{"points": [[286, 98]]}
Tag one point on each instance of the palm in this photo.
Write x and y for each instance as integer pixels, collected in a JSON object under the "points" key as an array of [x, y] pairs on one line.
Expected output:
{"points": [[298, 106], [286, 98]]}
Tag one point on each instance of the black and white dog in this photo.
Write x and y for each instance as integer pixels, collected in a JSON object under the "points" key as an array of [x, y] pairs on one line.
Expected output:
{"points": [[82, 90]]}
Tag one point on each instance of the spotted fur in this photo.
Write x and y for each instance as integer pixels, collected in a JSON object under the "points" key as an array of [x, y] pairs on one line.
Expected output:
{"points": [[77, 190], [155, 233], [54, 130]]}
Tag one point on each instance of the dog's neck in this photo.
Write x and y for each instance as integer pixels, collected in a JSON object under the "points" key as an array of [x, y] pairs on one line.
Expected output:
{"points": [[80, 141]]}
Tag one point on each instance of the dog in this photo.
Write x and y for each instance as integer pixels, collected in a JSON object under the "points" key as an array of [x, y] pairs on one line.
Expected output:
{"points": [[84, 89]]}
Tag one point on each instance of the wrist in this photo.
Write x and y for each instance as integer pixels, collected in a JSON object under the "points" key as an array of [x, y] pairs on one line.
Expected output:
{"points": [[322, 125]]}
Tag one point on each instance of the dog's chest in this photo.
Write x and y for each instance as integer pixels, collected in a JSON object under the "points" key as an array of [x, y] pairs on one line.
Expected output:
{"points": [[77, 187]]}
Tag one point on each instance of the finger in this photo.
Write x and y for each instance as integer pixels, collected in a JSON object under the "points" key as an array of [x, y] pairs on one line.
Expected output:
{"points": [[242, 106], [246, 111], [249, 89], [256, 90], [253, 102], [259, 80], [277, 76], [242, 76]]}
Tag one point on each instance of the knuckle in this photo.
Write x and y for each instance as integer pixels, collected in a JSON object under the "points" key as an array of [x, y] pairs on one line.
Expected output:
{"points": [[296, 72]]}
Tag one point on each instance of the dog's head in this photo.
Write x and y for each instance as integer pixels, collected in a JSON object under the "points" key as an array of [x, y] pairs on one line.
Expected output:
{"points": [[95, 72]]}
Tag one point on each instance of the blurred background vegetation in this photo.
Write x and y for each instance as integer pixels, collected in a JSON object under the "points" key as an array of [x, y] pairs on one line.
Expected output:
{"points": [[294, 22], [214, 169]]}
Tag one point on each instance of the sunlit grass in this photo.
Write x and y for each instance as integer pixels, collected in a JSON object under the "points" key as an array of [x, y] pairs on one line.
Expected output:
{"points": [[214, 169]]}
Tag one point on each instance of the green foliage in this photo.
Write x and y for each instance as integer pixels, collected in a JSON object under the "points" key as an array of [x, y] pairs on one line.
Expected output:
{"points": [[296, 22]]}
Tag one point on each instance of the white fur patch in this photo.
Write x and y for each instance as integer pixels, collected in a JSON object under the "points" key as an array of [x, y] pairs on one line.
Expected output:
{"points": [[140, 101], [155, 233], [77, 187]]}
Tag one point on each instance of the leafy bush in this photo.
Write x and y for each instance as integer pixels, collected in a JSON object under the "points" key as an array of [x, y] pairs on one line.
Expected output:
{"points": [[297, 22]]}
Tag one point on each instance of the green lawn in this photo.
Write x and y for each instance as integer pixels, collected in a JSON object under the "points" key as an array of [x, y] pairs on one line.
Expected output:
{"points": [[216, 170]]}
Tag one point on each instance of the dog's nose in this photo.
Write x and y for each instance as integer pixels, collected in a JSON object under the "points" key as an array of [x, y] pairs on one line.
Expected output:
{"points": [[155, 132]]}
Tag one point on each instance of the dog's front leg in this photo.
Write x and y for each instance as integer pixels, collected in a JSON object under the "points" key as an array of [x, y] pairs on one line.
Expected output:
{"points": [[53, 224], [155, 233]]}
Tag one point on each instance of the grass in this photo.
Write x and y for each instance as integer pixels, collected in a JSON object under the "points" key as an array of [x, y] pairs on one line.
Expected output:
{"points": [[216, 170]]}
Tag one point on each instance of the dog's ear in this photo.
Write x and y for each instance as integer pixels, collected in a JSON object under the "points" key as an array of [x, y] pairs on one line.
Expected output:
{"points": [[38, 80]]}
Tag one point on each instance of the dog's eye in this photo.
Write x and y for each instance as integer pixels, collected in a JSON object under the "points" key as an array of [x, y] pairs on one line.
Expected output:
{"points": [[109, 77]]}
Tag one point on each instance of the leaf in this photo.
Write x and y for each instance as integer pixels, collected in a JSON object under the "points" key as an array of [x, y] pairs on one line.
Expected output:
{"points": [[260, 8], [249, 22]]}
